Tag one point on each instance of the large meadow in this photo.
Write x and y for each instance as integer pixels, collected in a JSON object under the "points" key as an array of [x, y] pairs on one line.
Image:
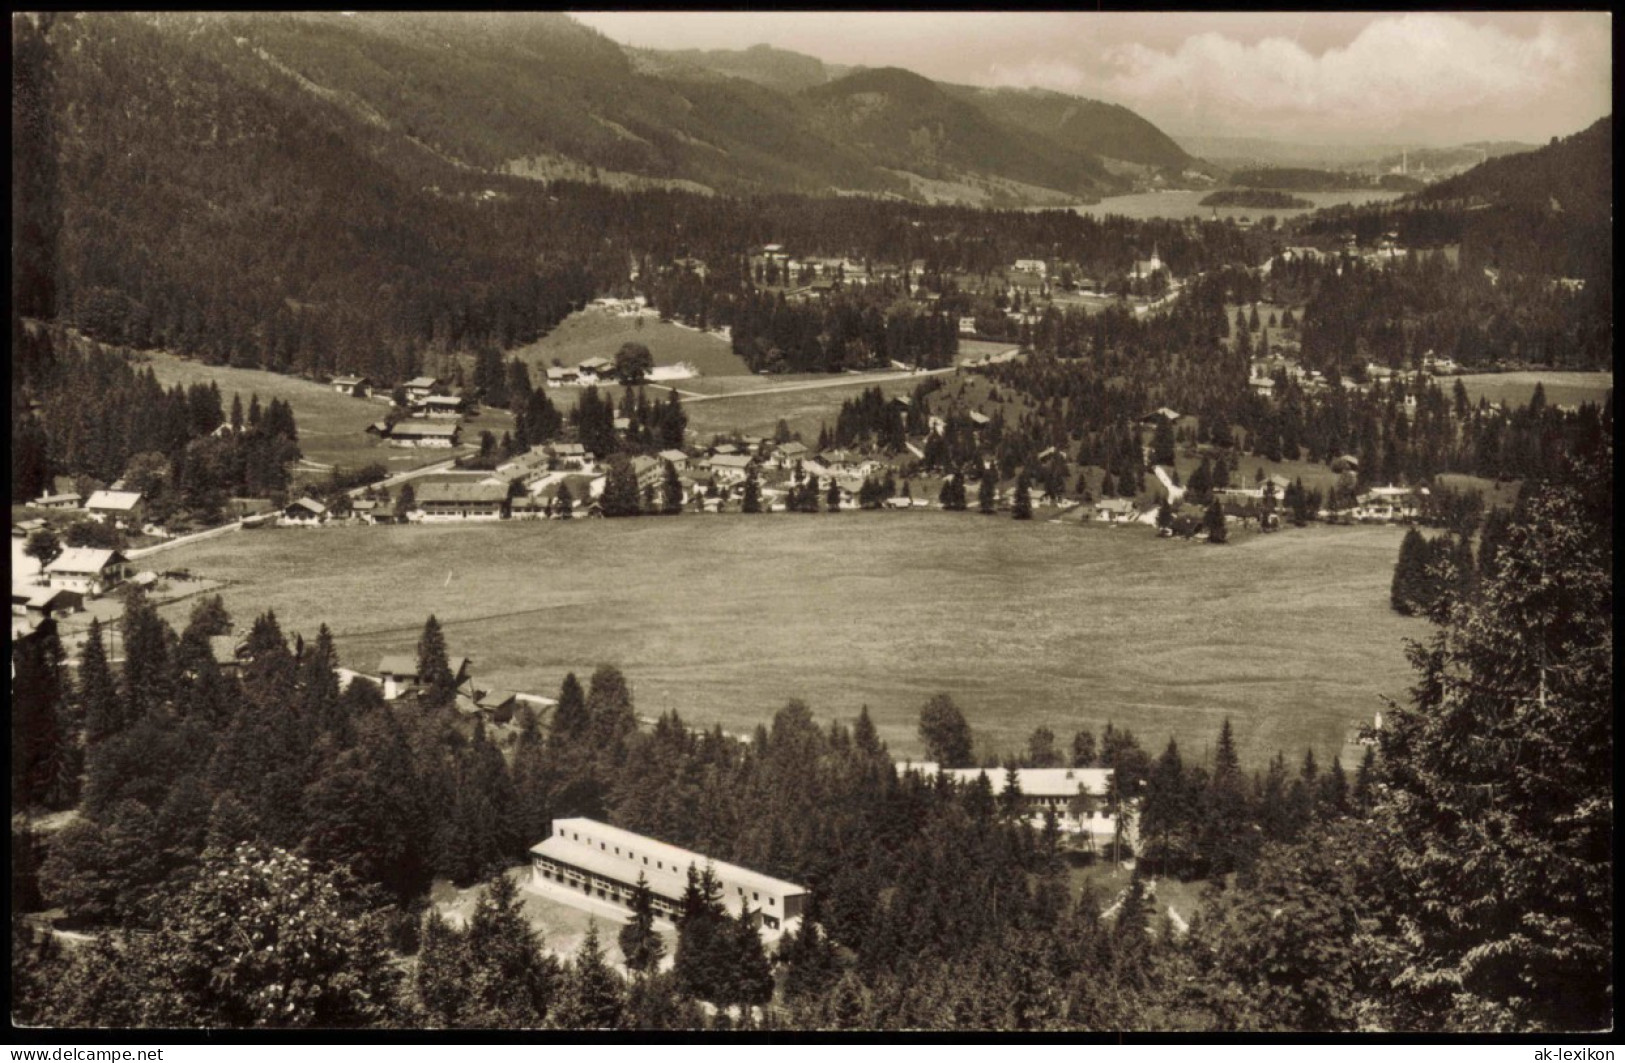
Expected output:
{"points": [[725, 618]]}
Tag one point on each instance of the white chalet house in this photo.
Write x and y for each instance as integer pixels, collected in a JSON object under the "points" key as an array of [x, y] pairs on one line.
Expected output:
{"points": [[304, 513], [87, 571], [120, 507]]}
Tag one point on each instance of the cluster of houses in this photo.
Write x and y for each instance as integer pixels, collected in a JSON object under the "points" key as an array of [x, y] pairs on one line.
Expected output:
{"points": [[397, 677], [1026, 279], [115, 506]]}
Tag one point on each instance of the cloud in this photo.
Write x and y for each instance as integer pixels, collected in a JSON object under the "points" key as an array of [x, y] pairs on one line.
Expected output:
{"points": [[1427, 76]]}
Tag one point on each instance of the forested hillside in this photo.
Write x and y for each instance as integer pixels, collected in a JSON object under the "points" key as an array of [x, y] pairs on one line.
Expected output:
{"points": [[1546, 213], [1089, 126], [911, 123]]}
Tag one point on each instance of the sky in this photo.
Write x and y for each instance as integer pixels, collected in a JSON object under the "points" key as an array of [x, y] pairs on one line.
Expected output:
{"points": [[1422, 78]]}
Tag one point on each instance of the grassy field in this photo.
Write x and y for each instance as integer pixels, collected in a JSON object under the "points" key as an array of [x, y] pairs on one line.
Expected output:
{"points": [[803, 411], [1516, 389], [332, 427], [726, 618], [598, 334]]}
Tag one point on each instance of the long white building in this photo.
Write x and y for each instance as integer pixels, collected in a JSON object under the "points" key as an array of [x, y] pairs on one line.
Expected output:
{"points": [[604, 862], [1077, 796]]}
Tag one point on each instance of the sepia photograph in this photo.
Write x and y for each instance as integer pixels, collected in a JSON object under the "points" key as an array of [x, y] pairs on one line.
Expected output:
{"points": [[723, 525]]}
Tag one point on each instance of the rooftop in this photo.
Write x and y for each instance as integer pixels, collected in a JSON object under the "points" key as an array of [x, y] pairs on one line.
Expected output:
{"points": [[665, 866], [116, 500], [450, 492], [1043, 782], [425, 428], [84, 559]]}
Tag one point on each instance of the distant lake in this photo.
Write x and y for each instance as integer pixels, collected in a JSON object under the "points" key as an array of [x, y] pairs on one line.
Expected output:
{"points": [[1178, 205]]}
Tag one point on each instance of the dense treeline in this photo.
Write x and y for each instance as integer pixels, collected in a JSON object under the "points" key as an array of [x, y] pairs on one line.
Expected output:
{"points": [[841, 333], [1394, 316], [1299, 179], [1259, 198], [935, 905], [89, 413]]}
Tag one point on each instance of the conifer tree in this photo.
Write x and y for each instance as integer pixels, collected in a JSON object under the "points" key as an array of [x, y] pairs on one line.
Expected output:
{"points": [[40, 739], [99, 703], [944, 733], [620, 498], [1503, 762], [439, 686], [671, 492], [148, 680], [1213, 520], [753, 492], [987, 495], [570, 717], [641, 945], [592, 995], [1021, 506]]}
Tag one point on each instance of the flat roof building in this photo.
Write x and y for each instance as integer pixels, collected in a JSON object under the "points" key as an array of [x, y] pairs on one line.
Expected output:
{"points": [[604, 862]]}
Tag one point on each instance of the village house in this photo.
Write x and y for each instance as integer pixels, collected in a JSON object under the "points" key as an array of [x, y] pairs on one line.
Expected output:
{"points": [[785, 455], [648, 470], [1079, 798], [605, 862], [459, 501], [596, 368], [40, 603], [227, 652], [359, 386], [524, 466], [420, 387], [366, 511], [66, 500], [497, 706], [1381, 505], [120, 507], [559, 376], [678, 459], [730, 468], [424, 434], [1115, 511], [571, 455], [1031, 265], [398, 675], [438, 407], [527, 507], [87, 571], [304, 513]]}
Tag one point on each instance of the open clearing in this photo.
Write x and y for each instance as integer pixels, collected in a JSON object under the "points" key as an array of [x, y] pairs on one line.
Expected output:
{"points": [[1516, 389], [563, 927], [600, 333], [726, 618], [332, 427]]}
